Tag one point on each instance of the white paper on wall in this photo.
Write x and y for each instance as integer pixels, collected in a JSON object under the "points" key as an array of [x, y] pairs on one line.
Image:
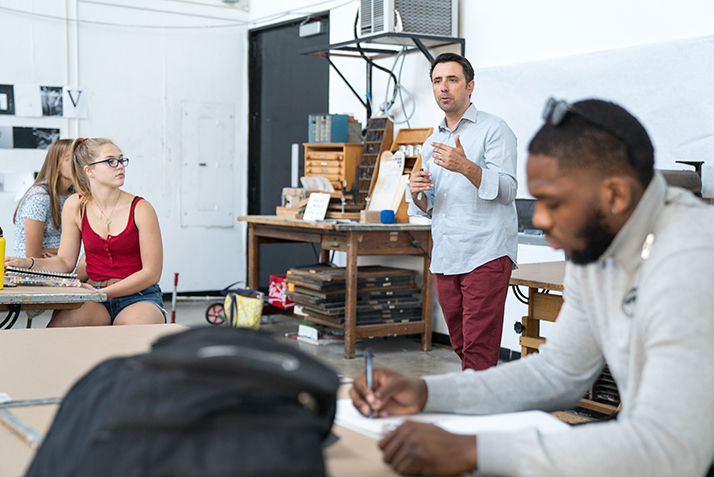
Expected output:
{"points": [[667, 86], [28, 101], [74, 103], [6, 137]]}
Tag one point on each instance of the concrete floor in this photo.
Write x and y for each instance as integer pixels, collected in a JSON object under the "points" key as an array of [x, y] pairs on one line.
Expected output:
{"points": [[401, 352]]}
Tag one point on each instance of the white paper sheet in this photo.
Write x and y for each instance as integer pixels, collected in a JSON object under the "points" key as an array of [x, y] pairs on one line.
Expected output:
{"points": [[399, 195], [391, 168], [317, 183], [545, 423], [316, 206]]}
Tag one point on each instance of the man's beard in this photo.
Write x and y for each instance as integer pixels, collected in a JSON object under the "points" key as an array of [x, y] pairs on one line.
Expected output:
{"points": [[597, 239]]}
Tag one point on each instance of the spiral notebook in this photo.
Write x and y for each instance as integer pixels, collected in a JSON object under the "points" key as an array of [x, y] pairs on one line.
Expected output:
{"points": [[34, 277]]}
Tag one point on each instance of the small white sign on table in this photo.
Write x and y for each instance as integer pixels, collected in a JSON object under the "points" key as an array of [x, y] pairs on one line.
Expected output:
{"points": [[316, 206]]}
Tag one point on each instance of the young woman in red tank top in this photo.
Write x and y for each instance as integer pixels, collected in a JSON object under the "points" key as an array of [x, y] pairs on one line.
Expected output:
{"points": [[122, 241]]}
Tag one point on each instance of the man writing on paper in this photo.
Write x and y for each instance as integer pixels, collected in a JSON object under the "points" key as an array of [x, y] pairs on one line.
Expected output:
{"points": [[638, 295], [468, 187]]}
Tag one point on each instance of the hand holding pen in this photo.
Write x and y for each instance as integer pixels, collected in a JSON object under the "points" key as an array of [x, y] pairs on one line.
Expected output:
{"points": [[368, 371], [390, 393], [420, 194]]}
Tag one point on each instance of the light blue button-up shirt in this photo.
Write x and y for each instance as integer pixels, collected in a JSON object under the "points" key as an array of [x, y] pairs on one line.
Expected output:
{"points": [[472, 226]]}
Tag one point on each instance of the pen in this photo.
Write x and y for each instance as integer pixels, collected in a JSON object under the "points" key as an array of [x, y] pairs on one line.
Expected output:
{"points": [[419, 195], [368, 368]]}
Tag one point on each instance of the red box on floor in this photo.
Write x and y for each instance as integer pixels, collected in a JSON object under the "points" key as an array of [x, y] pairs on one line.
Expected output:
{"points": [[277, 292]]}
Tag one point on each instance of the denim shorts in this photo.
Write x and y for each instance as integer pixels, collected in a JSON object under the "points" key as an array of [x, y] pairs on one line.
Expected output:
{"points": [[152, 294]]}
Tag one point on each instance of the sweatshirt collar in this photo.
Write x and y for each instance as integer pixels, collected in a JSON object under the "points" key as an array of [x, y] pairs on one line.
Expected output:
{"points": [[628, 245]]}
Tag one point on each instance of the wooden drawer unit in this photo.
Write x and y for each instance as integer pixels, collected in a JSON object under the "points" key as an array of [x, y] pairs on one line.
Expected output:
{"points": [[335, 161], [324, 155], [324, 163], [317, 167]]}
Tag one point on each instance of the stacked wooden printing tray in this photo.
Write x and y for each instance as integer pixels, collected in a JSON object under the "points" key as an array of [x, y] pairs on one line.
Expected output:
{"points": [[604, 389], [384, 295]]}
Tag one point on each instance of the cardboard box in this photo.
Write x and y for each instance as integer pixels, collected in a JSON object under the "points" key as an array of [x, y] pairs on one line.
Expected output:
{"points": [[370, 217], [291, 196]]}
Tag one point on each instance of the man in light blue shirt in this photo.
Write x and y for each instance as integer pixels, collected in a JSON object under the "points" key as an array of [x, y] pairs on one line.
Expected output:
{"points": [[468, 187]]}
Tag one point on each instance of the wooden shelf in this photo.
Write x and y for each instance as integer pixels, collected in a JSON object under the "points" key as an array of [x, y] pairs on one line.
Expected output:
{"points": [[377, 140], [414, 136], [409, 137]]}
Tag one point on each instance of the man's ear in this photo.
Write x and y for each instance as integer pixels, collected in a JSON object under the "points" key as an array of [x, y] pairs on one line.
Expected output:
{"points": [[620, 194]]}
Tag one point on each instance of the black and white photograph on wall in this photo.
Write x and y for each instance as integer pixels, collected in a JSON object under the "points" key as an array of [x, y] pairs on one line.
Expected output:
{"points": [[7, 99], [51, 100], [5, 137], [34, 138]]}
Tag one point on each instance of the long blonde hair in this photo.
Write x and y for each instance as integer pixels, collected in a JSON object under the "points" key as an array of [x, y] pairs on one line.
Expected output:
{"points": [[84, 151], [49, 179]]}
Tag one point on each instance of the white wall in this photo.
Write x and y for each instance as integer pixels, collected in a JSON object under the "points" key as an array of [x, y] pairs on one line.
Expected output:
{"points": [[653, 57], [138, 61], [512, 32], [657, 59]]}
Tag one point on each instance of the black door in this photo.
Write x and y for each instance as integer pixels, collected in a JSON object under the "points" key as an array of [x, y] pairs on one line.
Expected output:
{"points": [[285, 88]]}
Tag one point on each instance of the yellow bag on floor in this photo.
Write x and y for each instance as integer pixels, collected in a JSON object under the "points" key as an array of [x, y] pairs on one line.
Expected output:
{"points": [[244, 308]]}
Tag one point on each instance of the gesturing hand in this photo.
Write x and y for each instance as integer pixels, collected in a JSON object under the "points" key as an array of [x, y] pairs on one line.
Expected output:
{"points": [[454, 159], [451, 158], [415, 448]]}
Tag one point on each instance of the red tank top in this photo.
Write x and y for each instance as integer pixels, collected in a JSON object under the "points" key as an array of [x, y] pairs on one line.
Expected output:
{"points": [[116, 257]]}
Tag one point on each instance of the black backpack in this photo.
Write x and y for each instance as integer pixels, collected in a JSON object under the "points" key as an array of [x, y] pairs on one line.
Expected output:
{"points": [[205, 402]]}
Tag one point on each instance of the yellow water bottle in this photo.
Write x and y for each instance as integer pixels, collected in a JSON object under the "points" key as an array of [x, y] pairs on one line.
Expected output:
{"points": [[2, 257]]}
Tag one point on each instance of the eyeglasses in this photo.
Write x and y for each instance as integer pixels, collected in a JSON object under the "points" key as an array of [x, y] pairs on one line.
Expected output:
{"points": [[555, 112], [113, 162]]}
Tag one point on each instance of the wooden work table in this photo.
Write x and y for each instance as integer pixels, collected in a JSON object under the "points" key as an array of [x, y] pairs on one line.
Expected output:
{"points": [[23, 297], [43, 364], [542, 279], [354, 239], [47, 362]]}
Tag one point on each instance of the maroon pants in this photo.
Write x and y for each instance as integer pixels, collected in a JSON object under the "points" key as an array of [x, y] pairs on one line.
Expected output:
{"points": [[473, 305]]}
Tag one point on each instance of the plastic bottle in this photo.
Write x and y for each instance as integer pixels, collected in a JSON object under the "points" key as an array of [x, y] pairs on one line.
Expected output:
{"points": [[2, 257]]}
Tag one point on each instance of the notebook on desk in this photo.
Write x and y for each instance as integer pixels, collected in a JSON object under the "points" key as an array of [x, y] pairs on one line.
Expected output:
{"points": [[347, 416], [35, 277]]}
